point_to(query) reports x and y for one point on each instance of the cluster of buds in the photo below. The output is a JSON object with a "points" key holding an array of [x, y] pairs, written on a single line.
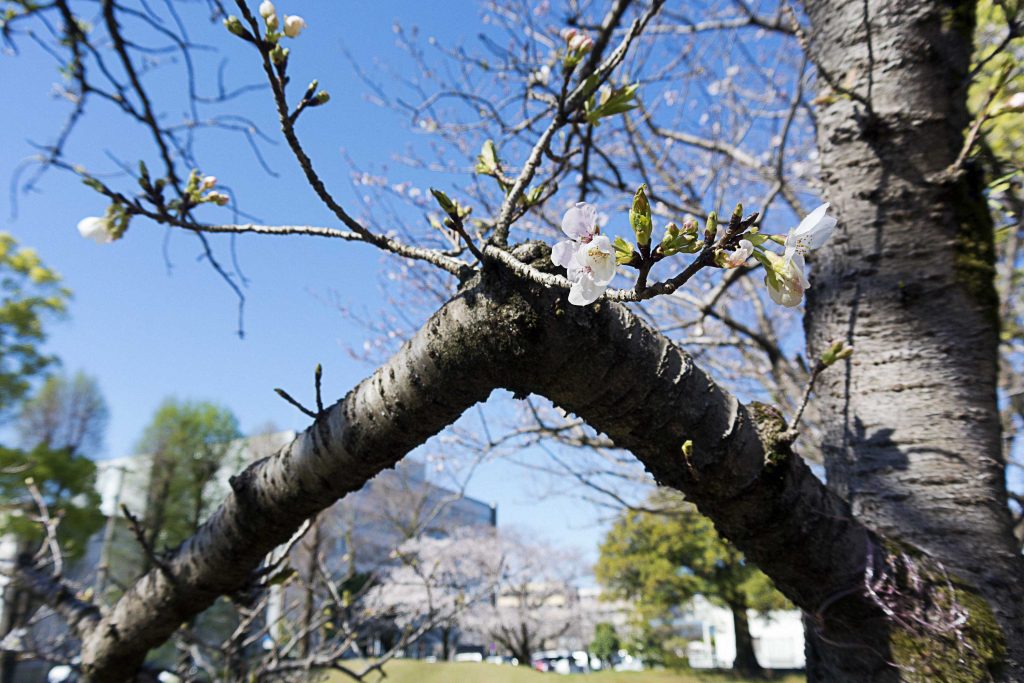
{"points": [[291, 27], [836, 352], [577, 45], [293, 24], [199, 190], [681, 240]]}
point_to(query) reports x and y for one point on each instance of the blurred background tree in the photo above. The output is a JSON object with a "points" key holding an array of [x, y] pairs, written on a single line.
{"points": [[663, 555], [186, 443]]}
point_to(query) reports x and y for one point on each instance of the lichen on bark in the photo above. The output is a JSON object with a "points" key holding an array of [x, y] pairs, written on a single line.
{"points": [[942, 630], [771, 427]]}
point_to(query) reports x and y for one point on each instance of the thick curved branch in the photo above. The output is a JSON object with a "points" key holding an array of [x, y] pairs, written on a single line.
{"points": [[601, 362]]}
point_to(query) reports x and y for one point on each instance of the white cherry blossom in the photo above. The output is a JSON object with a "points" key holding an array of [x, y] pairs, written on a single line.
{"points": [[814, 230], [294, 25], [789, 284], [591, 271], [790, 281], [96, 229]]}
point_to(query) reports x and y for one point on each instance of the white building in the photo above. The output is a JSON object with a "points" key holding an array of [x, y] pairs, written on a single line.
{"points": [[778, 636]]}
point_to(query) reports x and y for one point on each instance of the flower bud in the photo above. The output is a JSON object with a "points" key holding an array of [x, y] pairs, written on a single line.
{"points": [[836, 352], [444, 201], [322, 97], [581, 44], [487, 161], [279, 55], [640, 217], [711, 227], [294, 25], [267, 9], [623, 251], [218, 198], [208, 182], [234, 25]]}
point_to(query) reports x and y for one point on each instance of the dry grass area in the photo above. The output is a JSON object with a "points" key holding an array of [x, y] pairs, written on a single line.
{"points": [[412, 671]]}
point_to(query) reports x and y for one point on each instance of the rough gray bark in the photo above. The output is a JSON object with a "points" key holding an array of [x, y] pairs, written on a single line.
{"points": [[912, 431], [601, 362]]}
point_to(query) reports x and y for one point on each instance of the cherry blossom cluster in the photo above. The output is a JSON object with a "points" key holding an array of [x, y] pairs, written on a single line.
{"points": [[590, 258], [198, 190]]}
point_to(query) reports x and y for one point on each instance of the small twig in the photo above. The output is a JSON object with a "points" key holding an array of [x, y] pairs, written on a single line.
{"points": [[286, 396], [836, 352], [140, 536], [317, 376], [984, 114], [819, 367], [460, 228], [50, 525]]}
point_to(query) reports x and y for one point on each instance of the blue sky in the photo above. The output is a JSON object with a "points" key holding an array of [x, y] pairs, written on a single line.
{"points": [[148, 332]]}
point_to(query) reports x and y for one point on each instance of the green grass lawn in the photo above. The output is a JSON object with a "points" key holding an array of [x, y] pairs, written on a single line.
{"points": [[411, 671]]}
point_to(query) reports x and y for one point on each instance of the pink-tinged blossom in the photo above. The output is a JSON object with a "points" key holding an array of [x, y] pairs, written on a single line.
{"points": [[580, 225], [739, 256], [592, 271], [587, 256]]}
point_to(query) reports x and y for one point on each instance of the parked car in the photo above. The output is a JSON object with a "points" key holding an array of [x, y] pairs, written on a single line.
{"points": [[469, 657]]}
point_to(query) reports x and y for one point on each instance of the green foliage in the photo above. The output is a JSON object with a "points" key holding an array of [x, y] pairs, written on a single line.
{"points": [[610, 102], [65, 481], [30, 292], [605, 644], [187, 442], [663, 556], [1004, 133]]}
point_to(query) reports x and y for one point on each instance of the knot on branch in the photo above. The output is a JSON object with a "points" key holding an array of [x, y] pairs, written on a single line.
{"points": [[776, 437], [537, 255]]}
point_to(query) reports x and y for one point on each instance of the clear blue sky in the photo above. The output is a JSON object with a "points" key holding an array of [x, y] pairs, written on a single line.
{"points": [[147, 333]]}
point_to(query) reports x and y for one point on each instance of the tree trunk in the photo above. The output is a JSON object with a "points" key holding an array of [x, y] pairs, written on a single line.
{"points": [[912, 435], [13, 599], [447, 632], [746, 661], [309, 606]]}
